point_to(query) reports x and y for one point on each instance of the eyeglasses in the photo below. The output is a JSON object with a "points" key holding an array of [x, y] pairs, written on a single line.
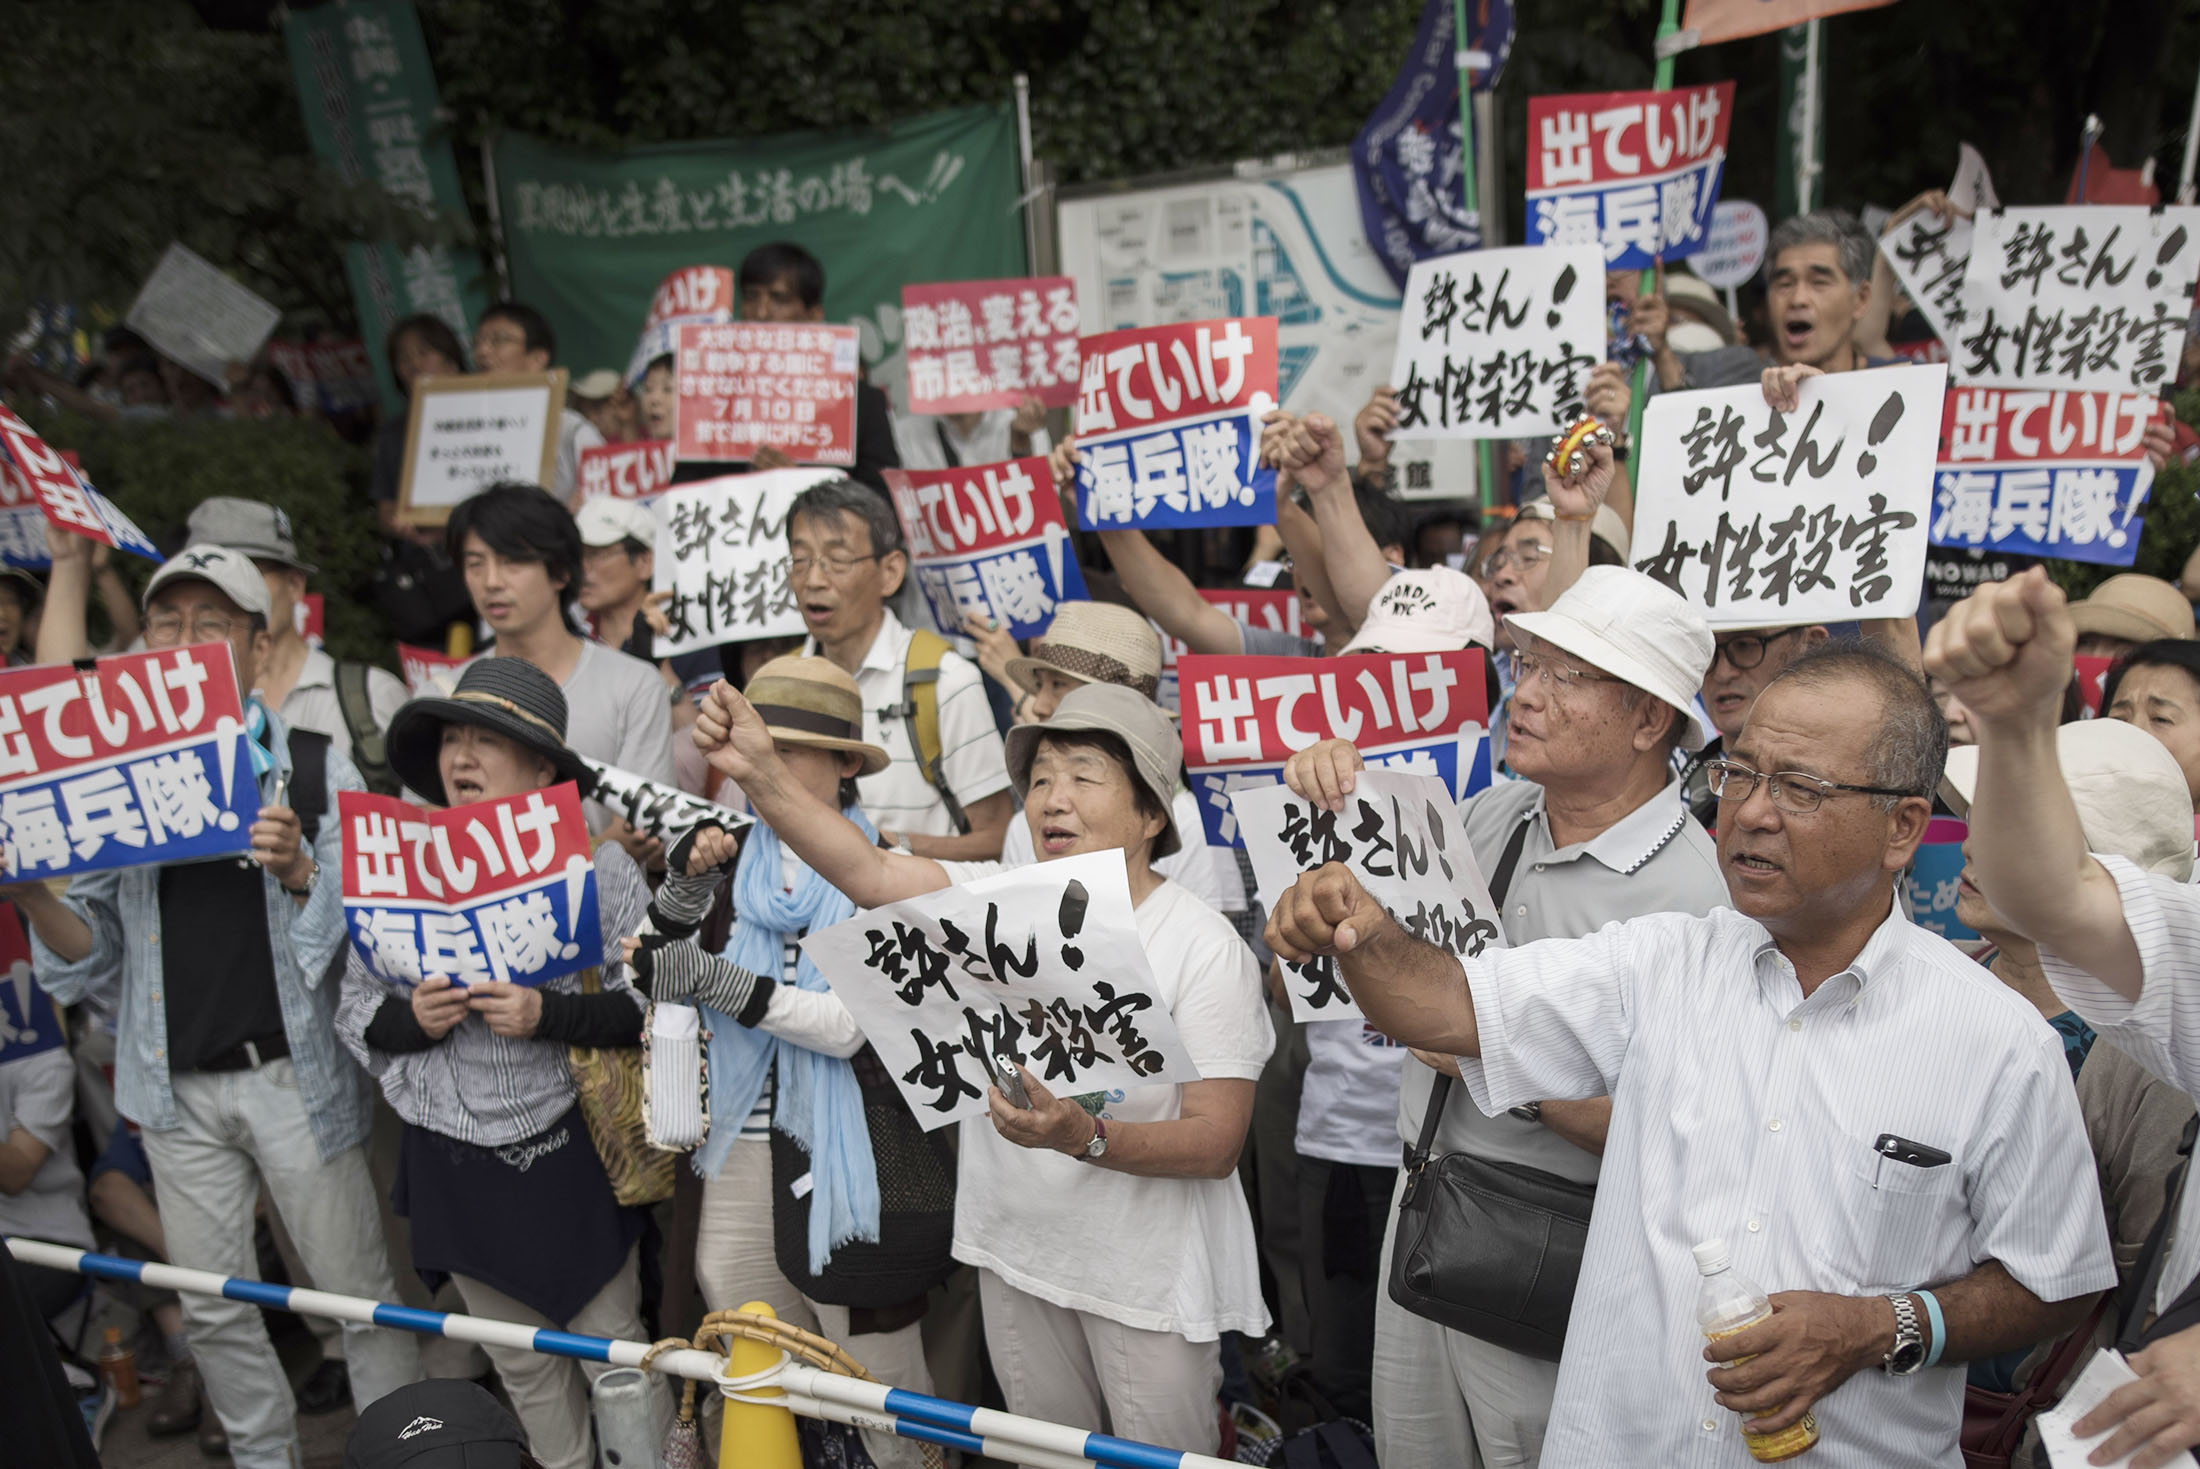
{"points": [[499, 339], [1792, 791], [1531, 554], [798, 566], [1747, 650], [1559, 677], [166, 628]]}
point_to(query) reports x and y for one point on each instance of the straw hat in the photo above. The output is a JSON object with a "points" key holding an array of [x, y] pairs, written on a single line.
{"points": [[508, 696], [812, 701], [2135, 607], [1094, 642]]}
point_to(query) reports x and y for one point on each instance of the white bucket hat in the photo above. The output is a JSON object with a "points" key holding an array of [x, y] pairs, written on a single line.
{"points": [[1431, 611], [2130, 792], [606, 520], [1638, 630]]}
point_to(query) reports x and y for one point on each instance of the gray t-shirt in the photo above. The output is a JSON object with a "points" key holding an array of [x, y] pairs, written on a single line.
{"points": [[618, 710], [35, 1093], [1268, 642]]}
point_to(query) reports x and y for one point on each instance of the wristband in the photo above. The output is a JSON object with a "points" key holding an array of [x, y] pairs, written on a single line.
{"points": [[1940, 1326], [1573, 519]]}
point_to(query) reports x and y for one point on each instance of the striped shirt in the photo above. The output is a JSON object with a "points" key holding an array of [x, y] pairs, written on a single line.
{"points": [[475, 1085], [758, 1124], [2161, 1029], [899, 798], [1744, 1111]]}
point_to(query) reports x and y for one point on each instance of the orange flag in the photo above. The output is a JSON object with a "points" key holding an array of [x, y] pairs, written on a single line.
{"points": [[1707, 22]]}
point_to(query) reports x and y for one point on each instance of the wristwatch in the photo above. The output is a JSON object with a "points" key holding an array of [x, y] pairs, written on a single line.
{"points": [[1098, 1147], [1908, 1353], [307, 890]]}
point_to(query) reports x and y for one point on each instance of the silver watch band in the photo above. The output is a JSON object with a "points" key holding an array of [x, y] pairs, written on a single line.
{"points": [[1906, 1331]]}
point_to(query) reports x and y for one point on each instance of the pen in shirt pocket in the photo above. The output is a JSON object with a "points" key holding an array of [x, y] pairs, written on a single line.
{"points": [[1902, 1150]]}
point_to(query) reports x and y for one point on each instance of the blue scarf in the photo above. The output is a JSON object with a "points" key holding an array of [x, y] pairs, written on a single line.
{"points": [[255, 726], [820, 1104]]}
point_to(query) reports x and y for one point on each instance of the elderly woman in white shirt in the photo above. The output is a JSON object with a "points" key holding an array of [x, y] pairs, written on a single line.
{"points": [[1113, 1245]]}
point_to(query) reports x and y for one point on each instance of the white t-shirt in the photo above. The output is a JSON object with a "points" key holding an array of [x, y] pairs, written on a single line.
{"points": [[1209, 873], [1348, 1105], [1158, 1254], [924, 439]]}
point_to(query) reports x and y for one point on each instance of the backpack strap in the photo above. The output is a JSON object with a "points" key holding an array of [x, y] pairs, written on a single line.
{"points": [[309, 780], [920, 708], [369, 750]]}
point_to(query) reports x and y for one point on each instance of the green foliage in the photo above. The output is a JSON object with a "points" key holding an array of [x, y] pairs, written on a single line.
{"points": [[2172, 522], [157, 472]]}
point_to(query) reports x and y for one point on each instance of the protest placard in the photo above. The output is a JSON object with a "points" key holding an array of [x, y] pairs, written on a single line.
{"points": [[1497, 344], [988, 540], [1929, 256], [1168, 419], [2092, 675], [1427, 713], [2087, 297], [1771, 519], [2040, 473], [1041, 964], [694, 295], [973, 345], [139, 759], [748, 384], [194, 314], [1934, 874], [1401, 836], [22, 520], [1634, 173], [30, 1022], [472, 430], [1735, 250], [722, 553], [502, 889], [641, 470], [1262, 607], [63, 494], [429, 670], [653, 808]]}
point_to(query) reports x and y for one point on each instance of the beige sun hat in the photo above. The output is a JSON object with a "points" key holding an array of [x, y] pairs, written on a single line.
{"points": [[2135, 607], [2130, 792], [812, 701], [1094, 642], [1143, 726]]}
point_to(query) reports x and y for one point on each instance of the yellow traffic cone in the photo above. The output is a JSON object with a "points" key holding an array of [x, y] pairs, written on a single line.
{"points": [[756, 1435]]}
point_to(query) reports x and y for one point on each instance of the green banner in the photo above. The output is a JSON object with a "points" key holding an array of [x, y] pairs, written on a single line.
{"points": [[588, 236], [370, 106]]}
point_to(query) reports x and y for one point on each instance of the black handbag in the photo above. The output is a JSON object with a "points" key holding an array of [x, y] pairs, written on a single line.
{"points": [[1485, 1248], [420, 591]]}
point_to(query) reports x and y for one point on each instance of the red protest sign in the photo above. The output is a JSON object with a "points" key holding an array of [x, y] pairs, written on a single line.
{"points": [[972, 345], [2092, 675], [988, 540], [692, 290], [1154, 375], [502, 890], [748, 384], [421, 665], [1590, 139], [68, 500], [310, 614], [635, 471]]}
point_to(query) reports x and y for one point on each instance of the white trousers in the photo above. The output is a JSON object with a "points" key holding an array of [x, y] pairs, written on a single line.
{"points": [[550, 1394], [735, 1263], [1085, 1371], [1443, 1397]]}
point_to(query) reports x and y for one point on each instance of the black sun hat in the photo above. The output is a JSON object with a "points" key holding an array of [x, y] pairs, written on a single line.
{"points": [[509, 696]]}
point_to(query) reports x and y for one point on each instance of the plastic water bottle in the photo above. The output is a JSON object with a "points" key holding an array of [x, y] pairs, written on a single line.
{"points": [[1728, 1302], [118, 1364]]}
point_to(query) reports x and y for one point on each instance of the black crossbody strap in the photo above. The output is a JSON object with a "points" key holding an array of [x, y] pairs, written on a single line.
{"points": [[2138, 1294]]}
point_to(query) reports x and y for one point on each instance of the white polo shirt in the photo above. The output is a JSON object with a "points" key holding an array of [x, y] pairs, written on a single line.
{"points": [[899, 798]]}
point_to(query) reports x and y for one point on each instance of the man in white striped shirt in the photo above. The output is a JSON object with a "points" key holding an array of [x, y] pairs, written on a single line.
{"points": [[2120, 946], [1885, 1135]]}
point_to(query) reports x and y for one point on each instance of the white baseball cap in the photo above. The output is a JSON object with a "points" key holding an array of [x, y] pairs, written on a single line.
{"points": [[1638, 630], [607, 520], [2130, 791], [1431, 611]]}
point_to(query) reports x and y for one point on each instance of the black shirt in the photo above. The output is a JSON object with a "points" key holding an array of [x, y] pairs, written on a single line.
{"points": [[219, 965]]}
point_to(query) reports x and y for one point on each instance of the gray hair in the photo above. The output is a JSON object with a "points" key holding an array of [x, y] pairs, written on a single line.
{"points": [[1852, 243], [1910, 751], [837, 497]]}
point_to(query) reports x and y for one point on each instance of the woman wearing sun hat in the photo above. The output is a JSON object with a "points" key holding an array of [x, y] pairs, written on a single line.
{"points": [[496, 1172], [870, 1235]]}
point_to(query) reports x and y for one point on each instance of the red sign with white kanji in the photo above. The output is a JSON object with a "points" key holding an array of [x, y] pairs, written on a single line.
{"points": [[972, 345], [746, 385]]}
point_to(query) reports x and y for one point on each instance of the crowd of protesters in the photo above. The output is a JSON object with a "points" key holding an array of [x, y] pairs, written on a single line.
{"points": [[1712, 1009]]}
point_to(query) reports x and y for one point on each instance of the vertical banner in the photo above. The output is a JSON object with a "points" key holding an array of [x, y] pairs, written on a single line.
{"points": [[748, 384], [973, 345], [2044, 473], [1635, 173], [1402, 837], [1497, 344], [370, 106], [1799, 148], [988, 541], [1168, 419], [498, 890], [1426, 713], [140, 759]]}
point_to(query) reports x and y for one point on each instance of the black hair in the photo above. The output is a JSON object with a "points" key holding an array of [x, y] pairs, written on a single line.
{"points": [[1386, 517], [1909, 753], [2181, 653], [434, 333], [663, 360], [838, 497], [533, 325], [783, 260], [850, 795], [1603, 553], [1114, 747], [634, 548], [521, 523]]}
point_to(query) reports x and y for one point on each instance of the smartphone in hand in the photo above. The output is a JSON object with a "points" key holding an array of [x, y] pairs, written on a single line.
{"points": [[1011, 1081]]}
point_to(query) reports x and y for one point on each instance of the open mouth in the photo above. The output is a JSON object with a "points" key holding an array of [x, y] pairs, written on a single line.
{"points": [[462, 789], [1055, 840], [496, 611], [1796, 331], [816, 611], [1502, 607], [1727, 703], [1751, 862]]}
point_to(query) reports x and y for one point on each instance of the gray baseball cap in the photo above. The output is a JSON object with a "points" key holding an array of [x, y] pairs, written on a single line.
{"points": [[260, 530], [224, 568]]}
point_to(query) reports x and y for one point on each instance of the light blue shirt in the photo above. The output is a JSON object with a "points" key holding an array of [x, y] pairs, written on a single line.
{"points": [[122, 908]]}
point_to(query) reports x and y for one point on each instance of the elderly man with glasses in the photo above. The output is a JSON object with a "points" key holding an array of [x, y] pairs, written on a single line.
{"points": [[1880, 1131]]}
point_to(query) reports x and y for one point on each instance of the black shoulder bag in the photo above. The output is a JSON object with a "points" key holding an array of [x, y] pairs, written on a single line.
{"points": [[1486, 1248]]}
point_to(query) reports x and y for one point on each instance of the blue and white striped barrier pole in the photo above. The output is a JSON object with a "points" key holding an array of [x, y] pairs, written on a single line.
{"points": [[808, 1390]]}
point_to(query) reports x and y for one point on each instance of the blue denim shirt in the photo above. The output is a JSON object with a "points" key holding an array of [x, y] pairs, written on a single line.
{"points": [[122, 909]]}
